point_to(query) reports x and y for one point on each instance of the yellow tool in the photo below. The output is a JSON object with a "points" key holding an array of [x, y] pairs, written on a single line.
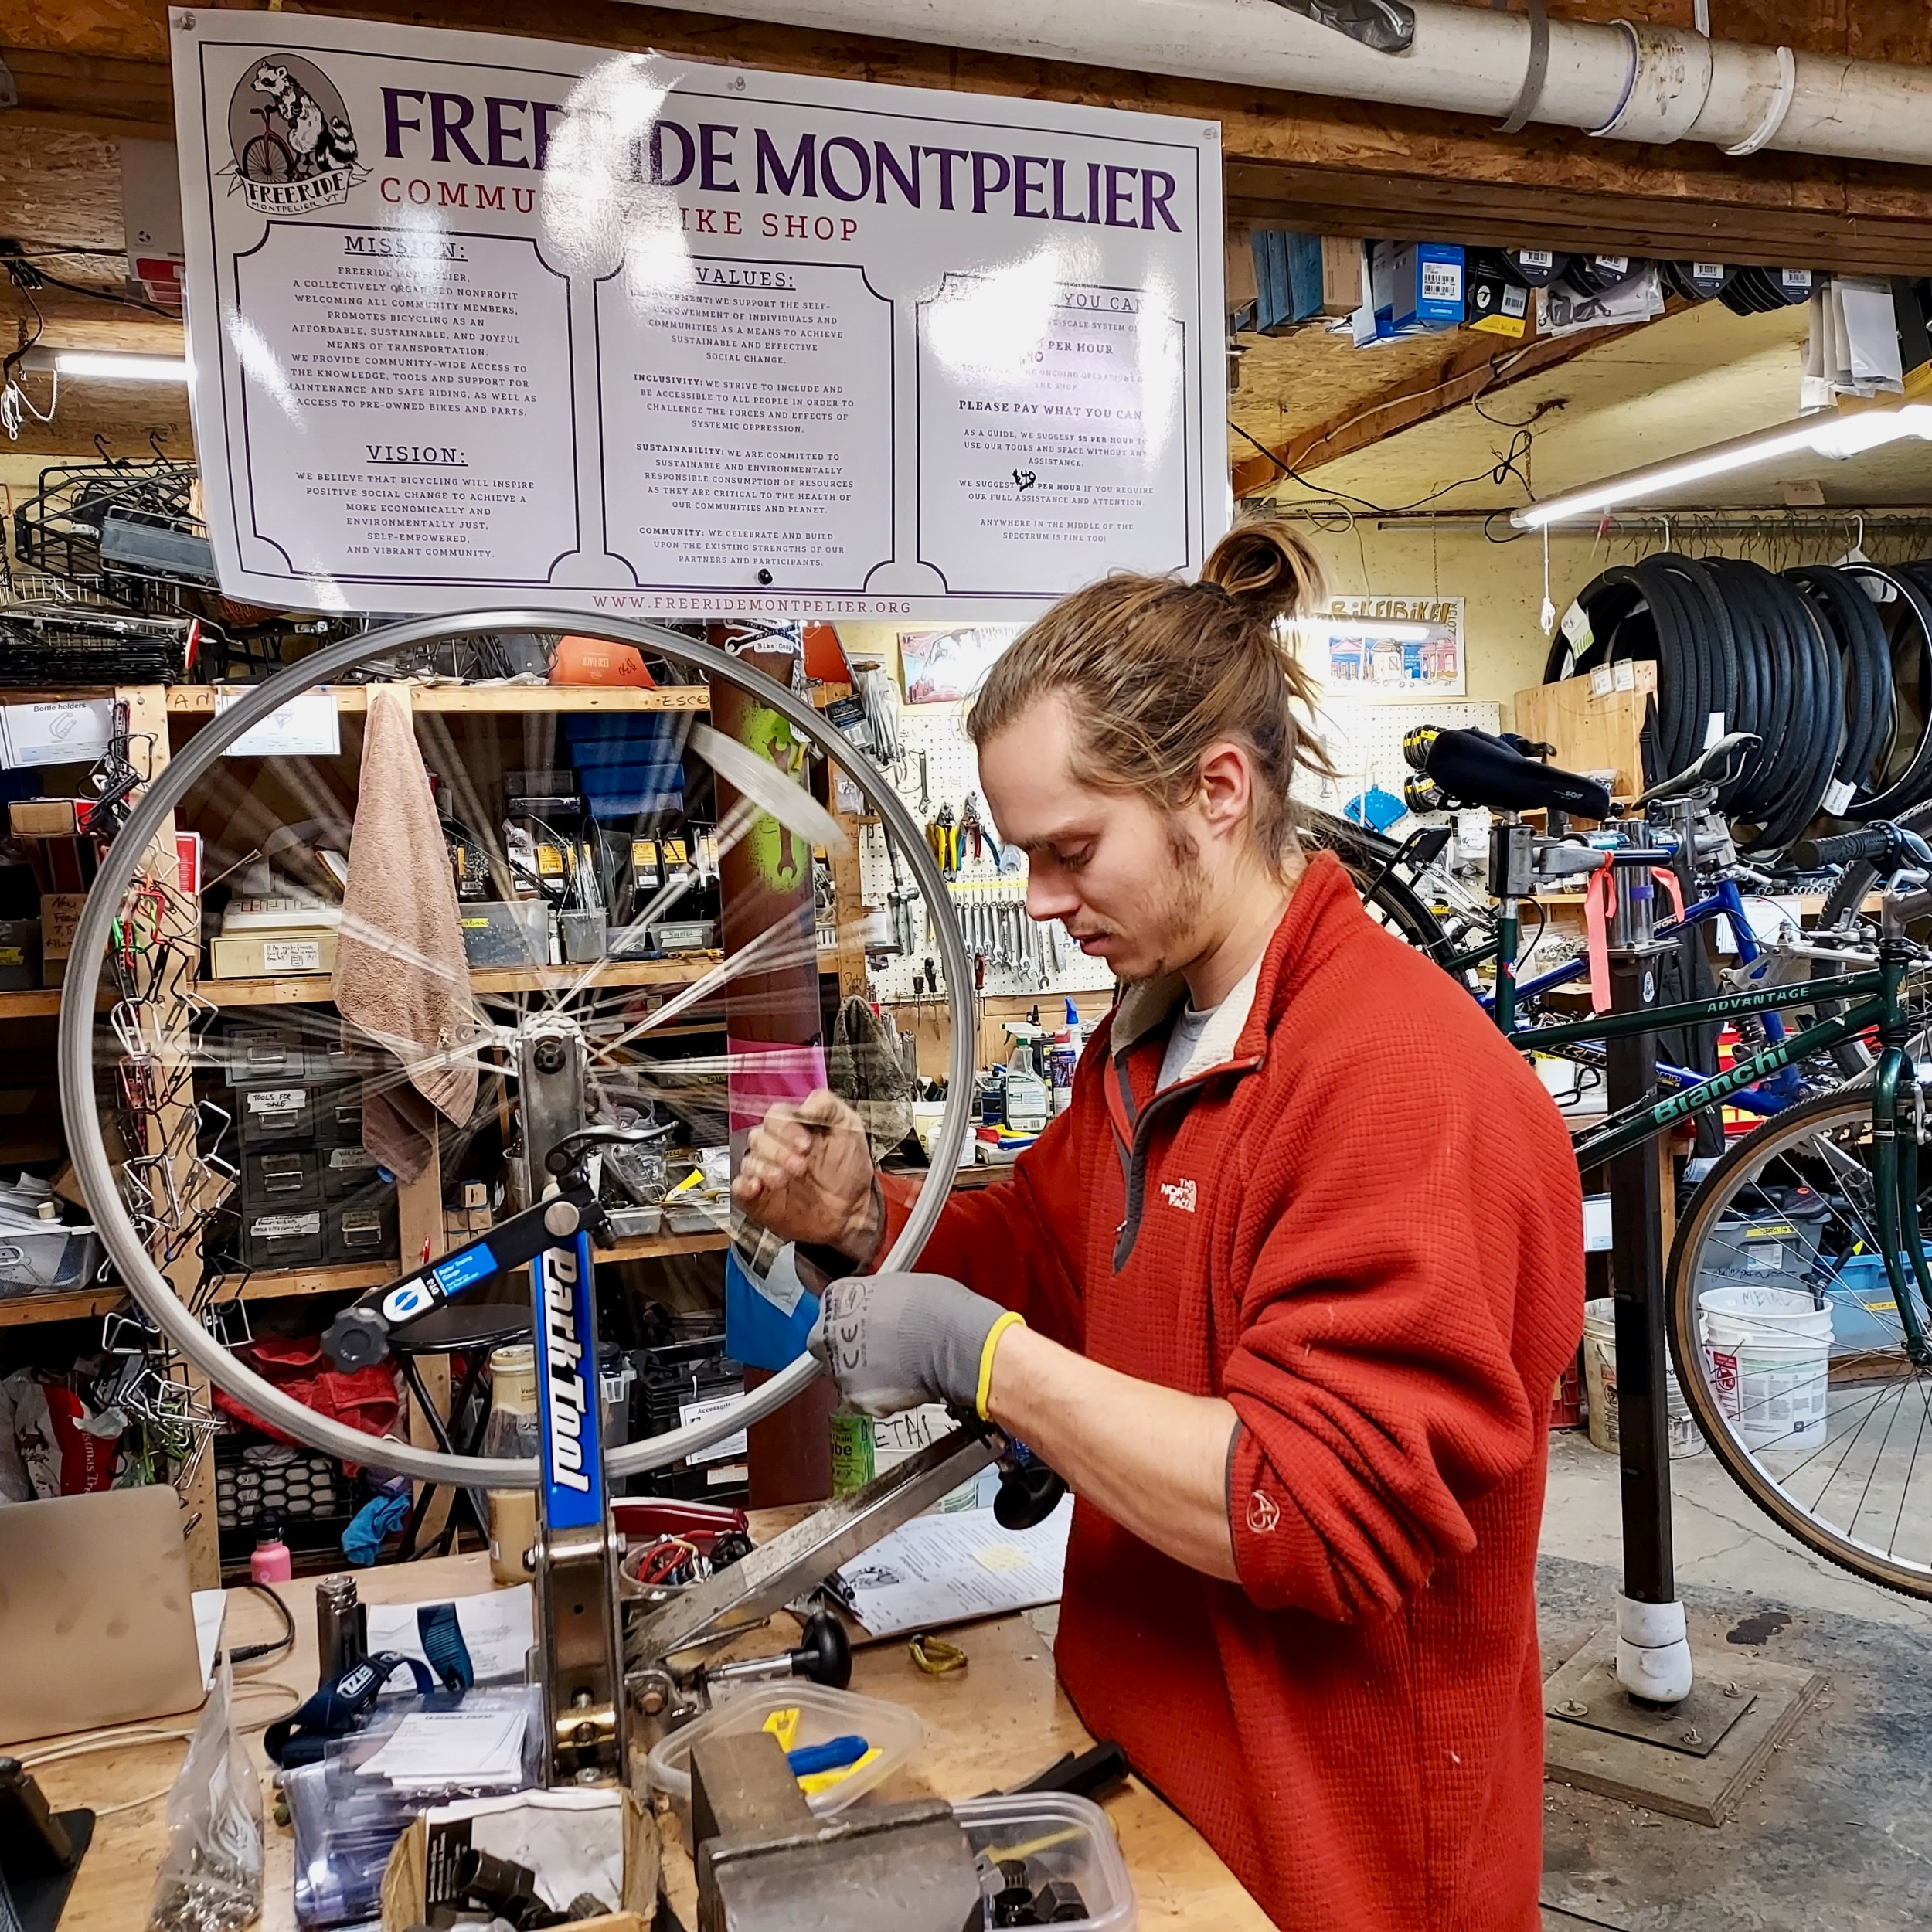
{"points": [[816, 1782]]}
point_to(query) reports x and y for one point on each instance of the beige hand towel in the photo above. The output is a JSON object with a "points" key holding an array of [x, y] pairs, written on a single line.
{"points": [[401, 977]]}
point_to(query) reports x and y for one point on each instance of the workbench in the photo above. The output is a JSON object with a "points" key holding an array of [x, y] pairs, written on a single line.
{"points": [[998, 1722]]}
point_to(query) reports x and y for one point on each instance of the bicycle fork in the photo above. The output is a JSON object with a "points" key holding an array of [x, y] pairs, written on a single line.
{"points": [[1895, 1155]]}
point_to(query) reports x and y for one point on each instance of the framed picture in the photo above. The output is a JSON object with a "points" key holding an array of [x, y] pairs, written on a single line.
{"points": [[1390, 648], [947, 667]]}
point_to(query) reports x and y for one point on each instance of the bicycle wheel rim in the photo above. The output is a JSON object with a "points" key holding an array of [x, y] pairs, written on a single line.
{"points": [[1844, 1467], [144, 1279]]}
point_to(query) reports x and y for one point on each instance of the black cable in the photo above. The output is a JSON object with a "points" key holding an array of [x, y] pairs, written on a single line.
{"points": [[1506, 467], [109, 295], [253, 1653]]}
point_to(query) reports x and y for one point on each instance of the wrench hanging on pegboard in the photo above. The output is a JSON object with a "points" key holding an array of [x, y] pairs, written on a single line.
{"points": [[987, 894]]}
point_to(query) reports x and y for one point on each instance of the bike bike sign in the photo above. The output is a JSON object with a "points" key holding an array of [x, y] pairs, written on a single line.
{"points": [[470, 316]]}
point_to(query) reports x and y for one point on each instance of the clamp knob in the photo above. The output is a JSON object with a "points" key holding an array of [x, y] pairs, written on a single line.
{"points": [[357, 1338], [825, 1655], [1029, 1493]]}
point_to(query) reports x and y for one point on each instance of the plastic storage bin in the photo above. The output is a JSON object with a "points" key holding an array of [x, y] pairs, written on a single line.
{"points": [[1059, 1837], [50, 1256], [893, 1730]]}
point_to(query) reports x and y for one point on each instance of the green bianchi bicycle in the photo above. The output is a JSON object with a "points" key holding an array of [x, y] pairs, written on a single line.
{"points": [[1799, 1291]]}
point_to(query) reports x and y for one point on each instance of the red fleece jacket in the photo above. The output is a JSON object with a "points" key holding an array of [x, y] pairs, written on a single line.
{"points": [[1364, 1231]]}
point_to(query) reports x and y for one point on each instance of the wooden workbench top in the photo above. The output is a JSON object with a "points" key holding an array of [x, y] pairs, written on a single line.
{"points": [[1002, 1718]]}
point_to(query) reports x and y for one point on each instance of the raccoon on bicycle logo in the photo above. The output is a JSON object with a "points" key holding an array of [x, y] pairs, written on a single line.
{"points": [[295, 149]]}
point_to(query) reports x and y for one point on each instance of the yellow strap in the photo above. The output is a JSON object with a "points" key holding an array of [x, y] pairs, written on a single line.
{"points": [[1008, 1320], [935, 1656]]}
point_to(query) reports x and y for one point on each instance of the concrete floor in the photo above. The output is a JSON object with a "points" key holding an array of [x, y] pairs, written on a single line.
{"points": [[1836, 1836]]}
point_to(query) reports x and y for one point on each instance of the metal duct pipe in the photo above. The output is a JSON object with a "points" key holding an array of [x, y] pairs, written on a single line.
{"points": [[1625, 82]]}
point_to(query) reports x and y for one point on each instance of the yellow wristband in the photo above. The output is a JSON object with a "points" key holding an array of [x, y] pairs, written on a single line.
{"points": [[1008, 1320]]}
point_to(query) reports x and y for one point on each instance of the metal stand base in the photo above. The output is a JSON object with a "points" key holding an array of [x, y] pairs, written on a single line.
{"points": [[1694, 1760]]}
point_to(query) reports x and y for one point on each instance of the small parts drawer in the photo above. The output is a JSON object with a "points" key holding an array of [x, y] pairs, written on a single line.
{"points": [[278, 1238], [362, 1228], [276, 1116], [280, 1177]]}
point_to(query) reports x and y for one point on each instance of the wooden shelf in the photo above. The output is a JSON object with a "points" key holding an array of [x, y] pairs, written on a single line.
{"points": [[19, 1311], [283, 1284], [29, 1002], [198, 700], [651, 1247], [310, 989]]}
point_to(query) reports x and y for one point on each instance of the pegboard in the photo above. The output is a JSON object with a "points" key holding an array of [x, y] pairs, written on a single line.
{"points": [[1364, 743], [951, 771]]}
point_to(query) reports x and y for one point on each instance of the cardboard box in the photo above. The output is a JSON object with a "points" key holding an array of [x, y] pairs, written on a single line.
{"points": [[405, 1878], [269, 955], [1418, 287], [48, 818], [59, 914]]}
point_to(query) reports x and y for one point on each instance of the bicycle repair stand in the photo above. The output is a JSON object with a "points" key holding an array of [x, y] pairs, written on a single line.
{"points": [[621, 1666], [1628, 1716]]}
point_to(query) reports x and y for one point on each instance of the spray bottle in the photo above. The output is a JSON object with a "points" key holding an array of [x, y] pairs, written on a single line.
{"points": [[1026, 1092], [1064, 1057]]}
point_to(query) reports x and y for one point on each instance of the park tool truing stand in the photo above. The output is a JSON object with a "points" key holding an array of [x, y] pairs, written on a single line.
{"points": [[620, 1667]]}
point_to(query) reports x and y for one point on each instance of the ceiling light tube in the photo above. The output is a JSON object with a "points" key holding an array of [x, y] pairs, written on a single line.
{"points": [[1825, 434], [106, 366]]}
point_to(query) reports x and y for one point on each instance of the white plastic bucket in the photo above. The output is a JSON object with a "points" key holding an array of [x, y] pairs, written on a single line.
{"points": [[1600, 1386], [1769, 1351]]}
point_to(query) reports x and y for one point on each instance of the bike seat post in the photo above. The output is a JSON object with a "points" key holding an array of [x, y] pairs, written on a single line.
{"points": [[1512, 877]]}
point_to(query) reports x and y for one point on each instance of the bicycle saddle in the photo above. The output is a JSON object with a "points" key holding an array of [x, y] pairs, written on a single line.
{"points": [[1717, 765], [1476, 769]]}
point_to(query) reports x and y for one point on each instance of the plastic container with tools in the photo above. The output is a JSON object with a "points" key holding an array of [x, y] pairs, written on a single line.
{"points": [[1063, 1841], [892, 1731]]}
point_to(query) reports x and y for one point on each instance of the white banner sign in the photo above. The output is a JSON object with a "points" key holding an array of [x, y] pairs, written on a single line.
{"points": [[476, 320]]}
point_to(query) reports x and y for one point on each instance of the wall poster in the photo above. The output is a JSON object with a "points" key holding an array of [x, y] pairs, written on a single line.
{"points": [[476, 320], [1393, 648]]}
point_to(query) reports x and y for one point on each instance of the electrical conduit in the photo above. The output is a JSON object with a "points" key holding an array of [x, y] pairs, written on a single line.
{"points": [[1626, 81]]}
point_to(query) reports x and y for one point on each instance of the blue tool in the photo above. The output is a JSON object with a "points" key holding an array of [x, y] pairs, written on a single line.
{"points": [[835, 1754]]}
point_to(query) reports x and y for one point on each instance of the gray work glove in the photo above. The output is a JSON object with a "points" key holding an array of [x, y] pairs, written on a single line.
{"points": [[894, 1340]]}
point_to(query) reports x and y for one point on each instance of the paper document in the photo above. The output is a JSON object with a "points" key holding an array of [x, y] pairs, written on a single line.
{"points": [[948, 1569], [310, 725], [429, 1750], [497, 1625]]}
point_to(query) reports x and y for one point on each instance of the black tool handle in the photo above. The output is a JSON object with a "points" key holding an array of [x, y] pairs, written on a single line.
{"points": [[1091, 1773]]}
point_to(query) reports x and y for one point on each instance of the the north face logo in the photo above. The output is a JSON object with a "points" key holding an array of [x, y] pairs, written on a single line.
{"points": [[1180, 1194]]}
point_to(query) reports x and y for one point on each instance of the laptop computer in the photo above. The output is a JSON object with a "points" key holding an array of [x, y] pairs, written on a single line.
{"points": [[96, 1624]]}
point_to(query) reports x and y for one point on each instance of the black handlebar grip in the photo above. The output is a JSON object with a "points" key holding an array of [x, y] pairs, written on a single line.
{"points": [[1844, 848]]}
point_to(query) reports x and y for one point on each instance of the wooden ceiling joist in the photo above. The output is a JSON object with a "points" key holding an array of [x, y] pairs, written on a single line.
{"points": [[1338, 166]]}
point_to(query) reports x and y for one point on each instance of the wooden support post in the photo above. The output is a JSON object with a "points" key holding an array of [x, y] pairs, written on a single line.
{"points": [[171, 1130]]}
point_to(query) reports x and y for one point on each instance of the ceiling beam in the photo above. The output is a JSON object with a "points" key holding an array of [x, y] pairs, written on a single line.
{"points": [[1339, 166], [1433, 207]]}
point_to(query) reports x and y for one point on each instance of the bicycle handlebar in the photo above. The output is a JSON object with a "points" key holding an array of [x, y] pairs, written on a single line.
{"points": [[1886, 846]]}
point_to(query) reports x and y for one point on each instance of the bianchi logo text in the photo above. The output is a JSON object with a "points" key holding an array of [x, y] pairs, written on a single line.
{"points": [[565, 1396]]}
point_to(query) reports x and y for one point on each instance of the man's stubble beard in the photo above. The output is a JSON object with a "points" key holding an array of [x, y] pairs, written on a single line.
{"points": [[1174, 940]]}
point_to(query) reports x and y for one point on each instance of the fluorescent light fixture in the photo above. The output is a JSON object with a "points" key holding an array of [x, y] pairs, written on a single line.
{"points": [[107, 367], [1824, 434]]}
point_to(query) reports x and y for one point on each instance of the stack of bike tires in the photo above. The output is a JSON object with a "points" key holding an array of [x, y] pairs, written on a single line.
{"points": [[1828, 666]]}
